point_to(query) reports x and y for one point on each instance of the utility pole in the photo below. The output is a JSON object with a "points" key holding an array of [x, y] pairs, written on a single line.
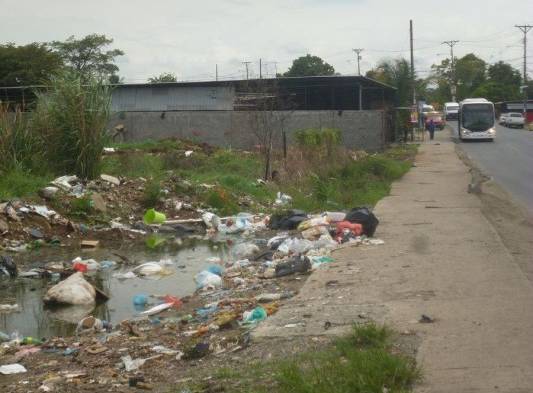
{"points": [[246, 63], [216, 72], [451, 44], [358, 56], [525, 29], [276, 68], [260, 69], [413, 86]]}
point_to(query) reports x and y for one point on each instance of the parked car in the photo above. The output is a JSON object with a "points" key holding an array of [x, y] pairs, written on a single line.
{"points": [[437, 120], [502, 118], [514, 119]]}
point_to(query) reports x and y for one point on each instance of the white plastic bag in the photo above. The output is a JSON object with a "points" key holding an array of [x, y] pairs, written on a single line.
{"points": [[74, 290], [295, 246], [207, 280], [244, 250]]}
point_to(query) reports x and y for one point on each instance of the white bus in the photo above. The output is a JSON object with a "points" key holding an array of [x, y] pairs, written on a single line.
{"points": [[476, 119]]}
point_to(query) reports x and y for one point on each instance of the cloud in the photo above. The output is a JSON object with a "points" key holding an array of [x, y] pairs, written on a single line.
{"points": [[189, 38]]}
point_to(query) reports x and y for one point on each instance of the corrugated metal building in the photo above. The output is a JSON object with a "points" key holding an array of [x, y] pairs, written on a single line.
{"points": [[171, 97], [296, 93]]}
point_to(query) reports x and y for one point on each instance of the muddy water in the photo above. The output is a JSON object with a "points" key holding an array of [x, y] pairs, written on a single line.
{"points": [[188, 256]]}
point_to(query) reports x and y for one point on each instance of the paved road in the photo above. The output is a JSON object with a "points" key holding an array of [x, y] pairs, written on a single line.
{"points": [[509, 160]]}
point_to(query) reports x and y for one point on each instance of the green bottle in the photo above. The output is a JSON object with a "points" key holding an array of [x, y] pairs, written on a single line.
{"points": [[31, 341]]}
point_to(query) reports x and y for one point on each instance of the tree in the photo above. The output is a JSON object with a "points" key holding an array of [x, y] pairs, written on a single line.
{"points": [[396, 73], [309, 66], [31, 64], [470, 73], [88, 56], [164, 77], [503, 83], [440, 82]]}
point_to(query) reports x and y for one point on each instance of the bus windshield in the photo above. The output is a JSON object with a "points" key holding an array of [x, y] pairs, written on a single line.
{"points": [[477, 117]]}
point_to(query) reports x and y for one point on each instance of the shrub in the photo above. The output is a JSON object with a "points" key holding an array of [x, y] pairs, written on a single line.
{"points": [[71, 117], [19, 146], [322, 141], [222, 200], [82, 206], [152, 193]]}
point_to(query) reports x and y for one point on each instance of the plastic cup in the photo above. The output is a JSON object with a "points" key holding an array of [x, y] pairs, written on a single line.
{"points": [[154, 217]]}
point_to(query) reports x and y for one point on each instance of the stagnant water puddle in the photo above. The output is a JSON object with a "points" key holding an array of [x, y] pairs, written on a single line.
{"points": [[188, 256]]}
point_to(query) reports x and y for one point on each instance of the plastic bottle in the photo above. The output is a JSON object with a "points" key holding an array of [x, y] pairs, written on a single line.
{"points": [[31, 341]]}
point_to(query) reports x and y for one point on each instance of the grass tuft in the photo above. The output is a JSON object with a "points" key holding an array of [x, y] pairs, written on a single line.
{"points": [[17, 183], [361, 362]]}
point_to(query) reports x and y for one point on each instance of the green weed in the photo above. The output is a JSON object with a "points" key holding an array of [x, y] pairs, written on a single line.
{"points": [[151, 194], [71, 118], [81, 207], [20, 148], [20, 183], [361, 362], [133, 165], [222, 200]]}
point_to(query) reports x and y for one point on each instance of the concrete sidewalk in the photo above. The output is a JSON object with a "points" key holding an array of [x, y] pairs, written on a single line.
{"points": [[441, 258]]}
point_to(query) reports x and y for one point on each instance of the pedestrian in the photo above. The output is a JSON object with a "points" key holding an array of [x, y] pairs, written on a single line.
{"points": [[431, 128]]}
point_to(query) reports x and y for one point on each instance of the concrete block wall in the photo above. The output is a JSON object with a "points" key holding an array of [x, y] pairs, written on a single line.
{"points": [[238, 129]]}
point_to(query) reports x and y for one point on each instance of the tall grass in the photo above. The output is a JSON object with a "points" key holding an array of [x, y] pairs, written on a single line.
{"points": [[71, 118], [20, 148]]}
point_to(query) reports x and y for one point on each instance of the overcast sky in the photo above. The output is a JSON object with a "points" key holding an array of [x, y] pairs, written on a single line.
{"points": [[189, 37]]}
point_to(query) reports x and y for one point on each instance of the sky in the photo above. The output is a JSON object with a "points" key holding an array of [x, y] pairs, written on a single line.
{"points": [[189, 38]]}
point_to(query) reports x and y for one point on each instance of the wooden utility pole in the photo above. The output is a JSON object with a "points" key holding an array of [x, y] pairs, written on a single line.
{"points": [[260, 69], [358, 56], [216, 72], [246, 63], [412, 61], [525, 29], [451, 44]]}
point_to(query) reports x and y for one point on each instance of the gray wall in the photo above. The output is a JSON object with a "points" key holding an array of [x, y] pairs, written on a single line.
{"points": [[172, 98], [360, 129]]}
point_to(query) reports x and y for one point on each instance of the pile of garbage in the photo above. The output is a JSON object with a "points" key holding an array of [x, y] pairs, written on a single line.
{"points": [[233, 295]]}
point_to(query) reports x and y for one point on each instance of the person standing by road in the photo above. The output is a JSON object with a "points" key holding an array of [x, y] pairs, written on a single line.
{"points": [[431, 129]]}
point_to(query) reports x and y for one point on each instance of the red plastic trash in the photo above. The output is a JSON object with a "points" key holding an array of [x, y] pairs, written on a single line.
{"points": [[176, 302], [357, 229], [80, 267]]}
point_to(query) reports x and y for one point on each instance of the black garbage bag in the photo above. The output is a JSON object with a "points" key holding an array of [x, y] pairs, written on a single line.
{"points": [[288, 220], [299, 264], [7, 266], [363, 216]]}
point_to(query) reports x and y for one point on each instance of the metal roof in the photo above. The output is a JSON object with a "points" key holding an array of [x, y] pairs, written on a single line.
{"points": [[301, 80]]}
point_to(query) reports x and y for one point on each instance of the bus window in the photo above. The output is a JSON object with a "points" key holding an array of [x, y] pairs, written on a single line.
{"points": [[477, 117]]}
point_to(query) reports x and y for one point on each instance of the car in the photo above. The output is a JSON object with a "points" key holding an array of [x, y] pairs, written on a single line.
{"points": [[437, 120], [514, 119], [502, 118]]}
